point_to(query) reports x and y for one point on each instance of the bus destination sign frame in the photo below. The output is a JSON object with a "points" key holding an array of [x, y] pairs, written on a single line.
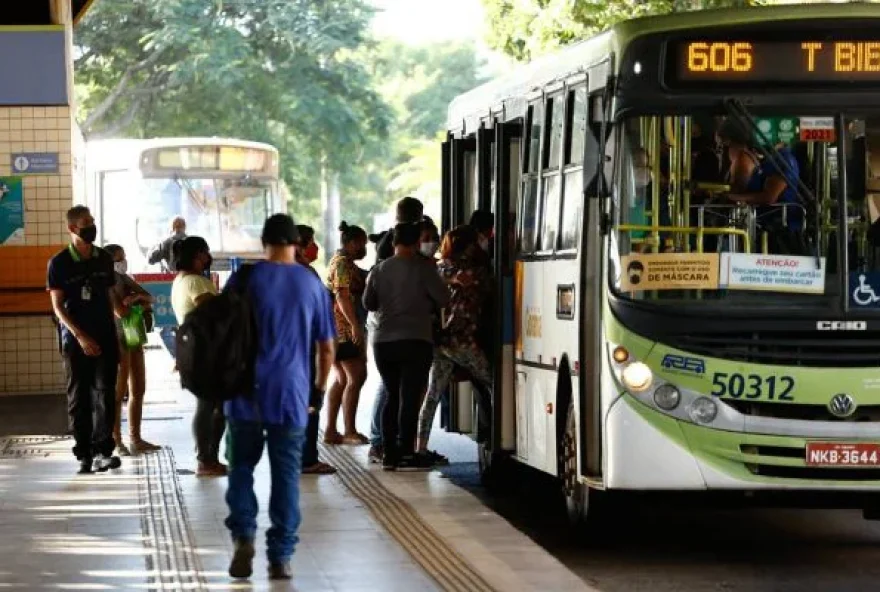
{"points": [[810, 61]]}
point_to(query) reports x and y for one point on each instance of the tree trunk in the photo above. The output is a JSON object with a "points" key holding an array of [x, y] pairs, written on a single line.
{"points": [[330, 209]]}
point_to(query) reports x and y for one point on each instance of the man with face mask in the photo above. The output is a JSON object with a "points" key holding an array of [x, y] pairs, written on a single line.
{"points": [[79, 281]]}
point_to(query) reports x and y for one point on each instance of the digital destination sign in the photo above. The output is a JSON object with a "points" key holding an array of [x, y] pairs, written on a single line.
{"points": [[744, 62]]}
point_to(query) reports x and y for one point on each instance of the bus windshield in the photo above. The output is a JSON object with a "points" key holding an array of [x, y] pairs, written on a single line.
{"points": [[227, 213], [713, 208]]}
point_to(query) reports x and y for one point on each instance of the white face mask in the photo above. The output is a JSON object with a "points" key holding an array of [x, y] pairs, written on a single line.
{"points": [[121, 267], [428, 249], [484, 244]]}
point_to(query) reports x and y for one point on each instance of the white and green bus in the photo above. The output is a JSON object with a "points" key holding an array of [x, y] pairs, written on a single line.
{"points": [[688, 255]]}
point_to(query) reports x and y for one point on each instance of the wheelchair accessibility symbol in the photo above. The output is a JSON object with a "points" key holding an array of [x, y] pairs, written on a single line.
{"points": [[862, 291]]}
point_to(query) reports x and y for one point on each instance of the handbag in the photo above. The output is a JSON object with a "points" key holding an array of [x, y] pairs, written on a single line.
{"points": [[134, 331]]}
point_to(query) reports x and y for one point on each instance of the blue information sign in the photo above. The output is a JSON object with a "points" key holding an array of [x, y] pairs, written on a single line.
{"points": [[29, 163], [162, 312]]}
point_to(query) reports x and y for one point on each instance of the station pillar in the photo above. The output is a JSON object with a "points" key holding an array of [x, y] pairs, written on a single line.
{"points": [[42, 174]]}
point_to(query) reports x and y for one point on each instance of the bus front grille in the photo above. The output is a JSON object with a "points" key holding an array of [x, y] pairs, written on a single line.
{"points": [[814, 349], [863, 413], [775, 461]]}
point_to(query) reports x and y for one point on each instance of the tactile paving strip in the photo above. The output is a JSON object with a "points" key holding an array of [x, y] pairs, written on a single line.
{"points": [[430, 550], [23, 447], [165, 526]]}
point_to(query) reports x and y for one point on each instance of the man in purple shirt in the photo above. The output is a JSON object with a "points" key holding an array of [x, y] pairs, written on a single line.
{"points": [[293, 316]]}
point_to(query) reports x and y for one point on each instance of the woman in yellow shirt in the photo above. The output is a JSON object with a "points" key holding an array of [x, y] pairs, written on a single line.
{"points": [[191, 287]]}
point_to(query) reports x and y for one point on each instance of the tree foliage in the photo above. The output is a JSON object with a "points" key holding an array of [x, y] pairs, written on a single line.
{"points": [[303, 75], [524, 29], [287, 73]]}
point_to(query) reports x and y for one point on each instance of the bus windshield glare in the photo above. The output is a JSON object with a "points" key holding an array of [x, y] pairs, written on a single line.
{"points": [[713, 209], [227, 213]]}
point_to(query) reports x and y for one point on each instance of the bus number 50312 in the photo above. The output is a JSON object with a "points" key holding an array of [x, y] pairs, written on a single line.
{"points": [[753, 386]]}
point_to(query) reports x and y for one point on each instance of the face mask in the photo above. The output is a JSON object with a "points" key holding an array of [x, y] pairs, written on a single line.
{"points": [[484, 244], [88, 234], [121, 267], [428, 249], [311, 253]]}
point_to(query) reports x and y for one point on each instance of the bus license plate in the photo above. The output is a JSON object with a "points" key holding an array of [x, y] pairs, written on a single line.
{"points": [[833, 454]]}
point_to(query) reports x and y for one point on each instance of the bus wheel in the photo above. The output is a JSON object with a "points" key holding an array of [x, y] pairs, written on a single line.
{"points": [[577, 494]]}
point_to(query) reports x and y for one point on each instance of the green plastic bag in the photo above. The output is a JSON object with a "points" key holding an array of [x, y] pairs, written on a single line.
{"points": [[133, 328]]}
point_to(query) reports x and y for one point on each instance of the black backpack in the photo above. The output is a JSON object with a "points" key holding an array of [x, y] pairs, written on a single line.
{"points": [[217, 345]]}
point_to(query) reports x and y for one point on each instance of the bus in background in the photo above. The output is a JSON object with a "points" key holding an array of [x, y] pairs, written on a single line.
{"points": [[223, 188], [688, 255]]}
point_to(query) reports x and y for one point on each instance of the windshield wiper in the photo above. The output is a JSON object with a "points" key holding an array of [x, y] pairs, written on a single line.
{"points": [[746, 121]]}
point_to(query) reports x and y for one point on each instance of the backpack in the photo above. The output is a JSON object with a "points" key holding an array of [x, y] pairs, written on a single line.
{"points": [[217, 345]]}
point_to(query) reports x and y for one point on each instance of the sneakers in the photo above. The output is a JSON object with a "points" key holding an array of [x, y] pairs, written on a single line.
{"points": [[389, 462], [85, 466], [104, 463], [142, 446], [375, 455], [415, 462], [436, 459], [242, 560], [280, 571]]}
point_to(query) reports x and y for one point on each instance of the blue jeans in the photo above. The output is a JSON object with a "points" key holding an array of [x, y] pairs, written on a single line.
{"points": [[244, 447], [376, 423], [169, 335]]}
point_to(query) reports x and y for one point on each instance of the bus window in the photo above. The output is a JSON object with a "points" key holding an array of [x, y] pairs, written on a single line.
{"points": [[530, 198], [573, 182], [577, 117], [529, 215], [536, 125], [556, 108], [550, 215], [551, 186]]}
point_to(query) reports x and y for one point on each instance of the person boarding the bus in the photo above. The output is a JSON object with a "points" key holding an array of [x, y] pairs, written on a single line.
{"points": [[293, 317], [80, 279]]}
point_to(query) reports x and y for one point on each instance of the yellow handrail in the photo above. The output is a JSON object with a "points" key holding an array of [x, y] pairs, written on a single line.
{"points": [[689, 230]]}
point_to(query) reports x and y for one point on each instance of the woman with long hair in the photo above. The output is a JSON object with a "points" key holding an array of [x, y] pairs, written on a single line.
{"points": [[463, 268], [132, 369], [345, 281], [191, 287]]}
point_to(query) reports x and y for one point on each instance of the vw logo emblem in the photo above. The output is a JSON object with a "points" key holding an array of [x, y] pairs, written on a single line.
{"points": [[842, 405]]}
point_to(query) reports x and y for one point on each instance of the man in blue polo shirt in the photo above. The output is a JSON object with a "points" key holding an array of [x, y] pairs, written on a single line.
{"points": [[293, 316], [79, 281]]}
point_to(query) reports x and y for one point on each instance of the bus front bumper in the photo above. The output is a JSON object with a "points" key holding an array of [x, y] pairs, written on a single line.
{"points": [[648, 450]]}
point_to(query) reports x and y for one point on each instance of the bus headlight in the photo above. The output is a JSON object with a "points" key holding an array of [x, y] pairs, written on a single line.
{"points": [[637, 377], [667, 397], [703, 410]]}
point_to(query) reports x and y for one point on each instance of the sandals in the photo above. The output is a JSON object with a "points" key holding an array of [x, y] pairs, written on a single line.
{"points": [[333, 439], [319, 468], [355, 440]]}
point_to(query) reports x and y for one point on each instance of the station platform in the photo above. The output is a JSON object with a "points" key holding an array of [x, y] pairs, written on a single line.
{"points": [[153, 525]]}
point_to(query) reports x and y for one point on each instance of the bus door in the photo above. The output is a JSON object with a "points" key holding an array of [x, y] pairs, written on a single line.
{"points": [[506, 191], [461, 188]]}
